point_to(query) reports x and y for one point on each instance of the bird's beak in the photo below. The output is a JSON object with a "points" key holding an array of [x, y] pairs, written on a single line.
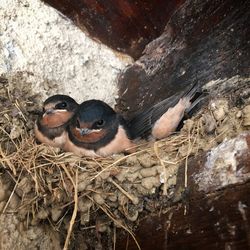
{"points": [[53, 111], [49, 112], [85, 131]]}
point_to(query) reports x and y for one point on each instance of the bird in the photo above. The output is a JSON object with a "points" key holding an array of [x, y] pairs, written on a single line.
{"points": [[163, 118], [96, 130], [50, 127]]}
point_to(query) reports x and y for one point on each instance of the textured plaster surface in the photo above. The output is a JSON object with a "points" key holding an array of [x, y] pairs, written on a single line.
{"points": [[54, 55]]}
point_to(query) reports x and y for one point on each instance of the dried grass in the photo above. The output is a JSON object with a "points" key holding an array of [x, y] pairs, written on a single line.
{"points": [[40, 162], [56, 178]]}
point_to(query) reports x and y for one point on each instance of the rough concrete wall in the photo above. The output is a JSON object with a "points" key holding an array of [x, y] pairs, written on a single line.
{"points": [[54, 55]]}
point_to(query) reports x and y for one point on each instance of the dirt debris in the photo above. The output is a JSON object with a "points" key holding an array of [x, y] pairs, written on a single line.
{"points": [[16, 235], [38, 182], [246, 116]]}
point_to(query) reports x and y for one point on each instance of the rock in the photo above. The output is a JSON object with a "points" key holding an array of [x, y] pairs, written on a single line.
{"points": [[246, 116], [219, 109], [132, 217], [83, 181], [98, 198], [56, 213], [43, 214], [16, 131], [223, 164], [131, 177], [147, 172], [113, 197], [146, 160], [131, 160], [2, 205], [84, 217], [122, 174], [14, 202], [209, 123], [24, 186], [188, 124], [84, 205], [102, 225], [105, 175], [4, 194], [150, 182]]}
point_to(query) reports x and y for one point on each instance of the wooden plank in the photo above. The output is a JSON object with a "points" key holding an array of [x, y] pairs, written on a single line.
{"points": [[123, 25], [203, 41]]}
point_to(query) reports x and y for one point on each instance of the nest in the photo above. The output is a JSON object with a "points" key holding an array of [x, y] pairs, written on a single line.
{"points": [[41, 183]]}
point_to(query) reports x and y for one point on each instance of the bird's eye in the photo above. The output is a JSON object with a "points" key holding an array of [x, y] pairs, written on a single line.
{"points": [[78, 124], [61, 105], [100, 123]]}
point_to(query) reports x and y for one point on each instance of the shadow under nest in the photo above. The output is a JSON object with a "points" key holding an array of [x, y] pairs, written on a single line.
{"points": [[44, 184]]}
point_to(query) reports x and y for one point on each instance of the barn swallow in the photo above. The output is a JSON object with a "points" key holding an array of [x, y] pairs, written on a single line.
{"points": [[97, 130], [162, 119], [50, 127]]}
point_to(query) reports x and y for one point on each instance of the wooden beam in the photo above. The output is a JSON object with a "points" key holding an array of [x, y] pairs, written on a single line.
{"points": [[203, 41], [123, 25], [208, 215]]}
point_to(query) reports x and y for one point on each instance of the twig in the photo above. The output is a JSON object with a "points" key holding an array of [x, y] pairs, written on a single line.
{"points": [[7, 160], [110, 215], [19, 109], [72, 221], [9, 137], [163, 168], [114, 240], [115, 163], [133, 199], [13, 191]]}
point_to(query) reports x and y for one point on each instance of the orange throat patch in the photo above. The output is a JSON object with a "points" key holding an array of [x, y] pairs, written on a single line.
{"points": [[89, 138], [56, 119]]}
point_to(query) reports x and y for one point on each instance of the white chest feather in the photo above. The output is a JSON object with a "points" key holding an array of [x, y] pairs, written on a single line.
{"points": [[71, 147], [56, 142], [119, 144]]}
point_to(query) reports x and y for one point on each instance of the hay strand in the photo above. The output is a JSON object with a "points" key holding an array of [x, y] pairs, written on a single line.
{"points": [[73, 218]]}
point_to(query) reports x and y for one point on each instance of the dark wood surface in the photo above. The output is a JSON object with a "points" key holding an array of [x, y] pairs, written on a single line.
{"points": [[213, 218], [218, 221], [203, 41], [123, 25], [186, 41]]}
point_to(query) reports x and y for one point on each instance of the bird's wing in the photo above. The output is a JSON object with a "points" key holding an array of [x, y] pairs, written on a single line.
{"points": [[142, 124]]}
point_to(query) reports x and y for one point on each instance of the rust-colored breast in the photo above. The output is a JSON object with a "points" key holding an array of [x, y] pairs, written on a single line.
{"points": [[89, 138], [56, 119]]}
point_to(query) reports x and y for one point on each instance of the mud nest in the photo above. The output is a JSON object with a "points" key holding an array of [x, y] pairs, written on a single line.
{"points": [[96, 197]]}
